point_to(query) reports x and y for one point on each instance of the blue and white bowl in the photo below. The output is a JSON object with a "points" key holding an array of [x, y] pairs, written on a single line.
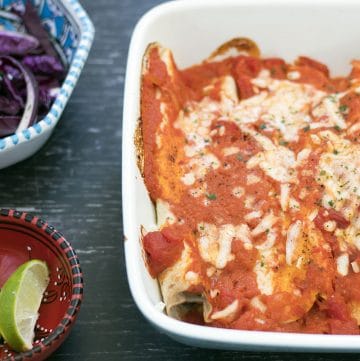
{"points": [[71, 27]]}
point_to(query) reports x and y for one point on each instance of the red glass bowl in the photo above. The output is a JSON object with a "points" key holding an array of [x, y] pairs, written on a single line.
{"points": [[24, 237]]}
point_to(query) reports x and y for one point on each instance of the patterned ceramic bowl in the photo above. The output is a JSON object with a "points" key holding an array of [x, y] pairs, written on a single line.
{"points": [[73, 31], [24, 237]]}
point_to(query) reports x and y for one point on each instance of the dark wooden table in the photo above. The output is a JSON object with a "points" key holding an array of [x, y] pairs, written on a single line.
{"points": [[75, 183]]}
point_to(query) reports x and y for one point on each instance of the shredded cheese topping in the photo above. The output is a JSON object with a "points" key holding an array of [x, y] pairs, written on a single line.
{"points": [[286, 161], [286, 107]]}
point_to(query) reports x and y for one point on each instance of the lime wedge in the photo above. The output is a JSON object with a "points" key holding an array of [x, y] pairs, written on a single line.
{"points": [[20, 300]]}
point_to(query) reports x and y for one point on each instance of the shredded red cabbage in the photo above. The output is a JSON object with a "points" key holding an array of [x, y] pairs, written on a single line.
{"points": [[9, 106], [13, 43], [31, 71], [33, 25], [44, 64]]}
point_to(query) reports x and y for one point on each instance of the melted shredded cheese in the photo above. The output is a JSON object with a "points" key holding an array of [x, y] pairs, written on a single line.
{"points": [[264, 274], [227, 311], [284, 196], [282, 105], [292, 240], [279, 164], [243, 234], [328, 110], [342, 263], [256, 303], [265, 224], [164, 214], [339, 173], [215, 243], [227, 234]]}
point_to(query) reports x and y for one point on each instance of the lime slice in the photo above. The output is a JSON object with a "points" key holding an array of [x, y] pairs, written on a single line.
{"points": [[20, 300]]}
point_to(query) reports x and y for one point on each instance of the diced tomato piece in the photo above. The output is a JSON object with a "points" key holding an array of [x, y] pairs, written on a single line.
{"points": [[246, 68], [162, 249], [234, 136], [349, 287], [245, 87], [247, 65], [340, 84], [231, 134], [246, 321], [339, 218], [238, 284], [284, 306], [317, 278], [350, 107], [305, 61], [314, 77], [340, 321], [325, 215], [344, 327], [355, 72], [336, 308], [276, 66]]}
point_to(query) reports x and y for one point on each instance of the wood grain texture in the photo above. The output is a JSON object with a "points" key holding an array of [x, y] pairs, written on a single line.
{"points": [[75, 183]]}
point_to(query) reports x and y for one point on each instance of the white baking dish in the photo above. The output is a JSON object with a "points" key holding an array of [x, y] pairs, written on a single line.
{"points": [[326, 30]]}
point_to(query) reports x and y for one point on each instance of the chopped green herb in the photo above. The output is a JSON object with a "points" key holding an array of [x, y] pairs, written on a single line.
{"points": [[335, 151], [307, 128], [332, 98], [202, 228], [331, 203], [337, 128], [240, 157], [322, 172], [211, 196], [263, 126], [343, 108], [283, 142]]}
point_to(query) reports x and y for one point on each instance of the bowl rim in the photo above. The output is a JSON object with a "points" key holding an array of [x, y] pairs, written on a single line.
{"points": [[59, 333], [86, 37], [210, 337]]}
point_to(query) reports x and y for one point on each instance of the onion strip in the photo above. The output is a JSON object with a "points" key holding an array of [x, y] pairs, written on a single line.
{"points": [[32, 94]]}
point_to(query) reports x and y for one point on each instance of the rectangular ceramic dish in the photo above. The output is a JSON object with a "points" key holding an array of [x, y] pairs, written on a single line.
{"points": [[325, 30]]}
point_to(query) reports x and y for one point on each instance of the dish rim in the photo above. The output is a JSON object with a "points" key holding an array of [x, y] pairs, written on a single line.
{"points": [[204, 336]]}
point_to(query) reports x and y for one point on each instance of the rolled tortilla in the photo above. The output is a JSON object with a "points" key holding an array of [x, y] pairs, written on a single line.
{"points": [[178, 279]]}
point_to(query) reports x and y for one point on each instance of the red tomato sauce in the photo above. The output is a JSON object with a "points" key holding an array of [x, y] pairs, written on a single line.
{"points": [[162, 250], [331, 295]]}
